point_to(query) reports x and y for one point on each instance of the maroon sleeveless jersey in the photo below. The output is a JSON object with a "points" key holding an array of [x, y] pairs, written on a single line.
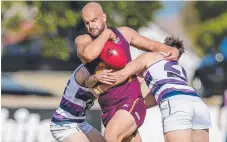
{"points": [[130, 89]]}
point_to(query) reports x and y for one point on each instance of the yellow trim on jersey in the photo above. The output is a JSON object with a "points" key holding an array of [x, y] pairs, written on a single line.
{"points": [[134, 103]]}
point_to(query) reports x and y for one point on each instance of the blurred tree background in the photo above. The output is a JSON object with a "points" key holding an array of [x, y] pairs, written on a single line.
{"points": [[56, 23], [206, 23]]}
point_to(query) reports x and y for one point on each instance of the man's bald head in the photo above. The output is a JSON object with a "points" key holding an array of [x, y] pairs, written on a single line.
{"points": [[92, 7], [94, 18]]}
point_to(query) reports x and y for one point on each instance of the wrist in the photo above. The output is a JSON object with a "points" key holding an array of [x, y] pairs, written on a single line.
{"points": [[96, 91], [122, 75]]}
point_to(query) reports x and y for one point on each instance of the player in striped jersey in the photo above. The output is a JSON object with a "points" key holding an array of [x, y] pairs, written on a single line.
{"points": [[185, 117], [68, 123]]}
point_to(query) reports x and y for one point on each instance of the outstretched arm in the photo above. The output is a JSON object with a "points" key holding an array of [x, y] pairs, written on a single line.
{"points": [[146, 44]]}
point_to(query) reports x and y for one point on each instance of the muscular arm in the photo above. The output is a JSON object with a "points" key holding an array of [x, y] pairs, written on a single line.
{"points": [[87, 49], [132, 68], [146, 44]]}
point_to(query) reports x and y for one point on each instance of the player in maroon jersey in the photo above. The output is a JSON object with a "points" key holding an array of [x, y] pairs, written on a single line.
{"points": [[122, 106]]}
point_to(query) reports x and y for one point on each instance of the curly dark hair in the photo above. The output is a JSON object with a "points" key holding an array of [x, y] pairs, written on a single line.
{"points": [[175, 42]]}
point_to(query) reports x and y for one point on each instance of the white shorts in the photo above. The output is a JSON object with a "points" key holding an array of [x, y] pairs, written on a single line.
{"points": [[184, 112], [60, 132]]}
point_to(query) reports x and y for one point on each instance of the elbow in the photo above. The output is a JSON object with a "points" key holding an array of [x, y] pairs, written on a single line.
{"points": [[87, 57]]}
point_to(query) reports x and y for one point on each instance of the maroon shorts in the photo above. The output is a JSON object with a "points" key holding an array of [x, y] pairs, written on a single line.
{"points": [[135, 107]]}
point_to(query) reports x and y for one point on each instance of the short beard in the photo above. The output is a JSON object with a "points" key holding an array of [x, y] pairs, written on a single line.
{"points": [[101, 30]]}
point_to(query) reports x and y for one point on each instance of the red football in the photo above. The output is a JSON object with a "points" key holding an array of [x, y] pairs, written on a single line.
{"points": [[113, 55]]}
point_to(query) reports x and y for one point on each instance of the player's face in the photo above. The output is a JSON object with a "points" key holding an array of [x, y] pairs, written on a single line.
{"points": [[94, 23]]}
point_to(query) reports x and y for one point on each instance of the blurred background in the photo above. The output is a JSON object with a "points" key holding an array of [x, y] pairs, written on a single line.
{"points": [[38, 56]]}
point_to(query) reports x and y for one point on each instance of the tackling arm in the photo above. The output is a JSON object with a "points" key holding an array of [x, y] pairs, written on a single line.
{"points": [[132, 68], [146, 44]]}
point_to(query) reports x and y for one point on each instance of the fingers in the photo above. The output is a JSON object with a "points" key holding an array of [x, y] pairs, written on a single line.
{"points": [[108, 78], [171, 56], [108, 73], [167, 54], [174, 58], [106, 82], [112, 36], [111, 75]]}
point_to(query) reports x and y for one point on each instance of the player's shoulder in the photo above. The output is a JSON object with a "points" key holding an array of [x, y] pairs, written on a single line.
{"points": [[152, 57], [125, 29], [83, 39], [127, 32]]}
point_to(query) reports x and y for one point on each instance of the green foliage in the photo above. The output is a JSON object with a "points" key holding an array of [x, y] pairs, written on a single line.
{"points": [[209, 26], [211, 32], [14, 22], [211, 9], [55, 47], [134, 14], [54, 15]]}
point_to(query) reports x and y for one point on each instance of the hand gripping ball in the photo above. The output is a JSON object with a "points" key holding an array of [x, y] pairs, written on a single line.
{"points": [[113, 55]]}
